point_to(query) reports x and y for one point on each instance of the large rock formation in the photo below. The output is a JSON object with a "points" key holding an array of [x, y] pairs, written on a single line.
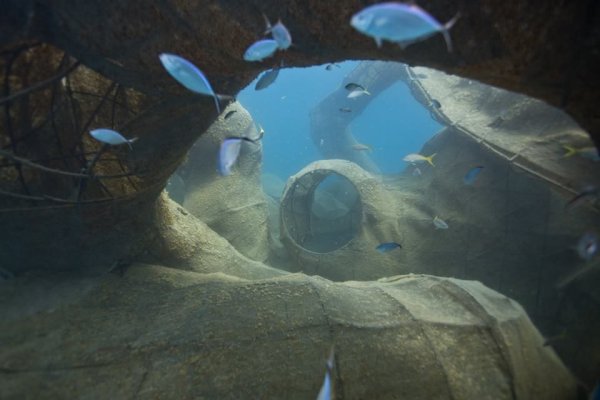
{"points": [[158, 332]]}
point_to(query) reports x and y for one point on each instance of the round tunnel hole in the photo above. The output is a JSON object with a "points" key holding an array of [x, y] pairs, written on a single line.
{"points": [[323, 211]]}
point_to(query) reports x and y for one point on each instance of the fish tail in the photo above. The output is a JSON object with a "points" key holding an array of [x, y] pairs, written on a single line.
{"points": [[367, 92], [430, 159], [130, 141], [268, 24], [216, 97], [446, 31], [570, 151]]}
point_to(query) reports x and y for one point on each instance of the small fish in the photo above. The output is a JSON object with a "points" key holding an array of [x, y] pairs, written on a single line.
{"points": [[436, 104], [361, 147], [260, 50], [555, 338], [111, 137], [229, 152], [345, 109], [188, 75], [439, 223], [400, 23], [351, 87], [357, 93], [229, 114], [590, 152], [587, 247], [326, 392], [280, 33], [418, 158], [321, 142], [417, 172], [261, 133], [589, 194], [472, 175], [267, 79], [385, 247]]}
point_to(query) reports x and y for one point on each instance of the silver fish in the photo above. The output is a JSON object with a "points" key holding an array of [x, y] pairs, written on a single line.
{"points": [[357, 93], [326, 392], [439, 223], [111, 137], [400, 23], [229, 152]]}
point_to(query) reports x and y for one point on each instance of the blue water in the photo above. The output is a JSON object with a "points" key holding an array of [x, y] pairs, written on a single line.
{"points": [[394, 124]]}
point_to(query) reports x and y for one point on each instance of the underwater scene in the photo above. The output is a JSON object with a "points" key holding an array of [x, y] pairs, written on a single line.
{"points": [[188, 215]]}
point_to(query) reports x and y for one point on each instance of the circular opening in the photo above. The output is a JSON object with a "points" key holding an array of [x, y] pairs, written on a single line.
{"points": [[323, 211]]}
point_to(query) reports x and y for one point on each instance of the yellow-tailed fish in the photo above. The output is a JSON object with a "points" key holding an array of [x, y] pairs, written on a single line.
{"points": [[589, 152], [418, 158]]}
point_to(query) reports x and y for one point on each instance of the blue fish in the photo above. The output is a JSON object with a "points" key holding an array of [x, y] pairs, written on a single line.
{"points": [[472, 175], [267, 79], [280, 34], [111, 137], [326, 392], [260, 50], [188, 75], [400, 23], [229, 152], [385, 247]]}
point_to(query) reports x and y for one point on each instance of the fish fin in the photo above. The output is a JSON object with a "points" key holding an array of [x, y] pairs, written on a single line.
{"points": [[217, 105], [268, 24], [430, 159], [130, 141], [446, 31], [571, 151], [225, 97], [367, 92], [222, 97]]}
